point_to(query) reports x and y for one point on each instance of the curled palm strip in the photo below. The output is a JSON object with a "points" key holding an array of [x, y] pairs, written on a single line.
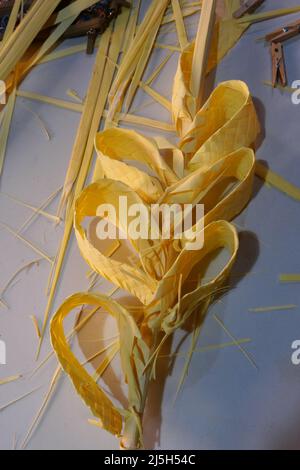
{"points": [[214, 166]]}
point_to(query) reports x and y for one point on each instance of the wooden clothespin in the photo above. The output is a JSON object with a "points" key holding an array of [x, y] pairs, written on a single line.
{"points": [[276, 38], [278, 64], [248, 6], [91, 40], [285, 33]]}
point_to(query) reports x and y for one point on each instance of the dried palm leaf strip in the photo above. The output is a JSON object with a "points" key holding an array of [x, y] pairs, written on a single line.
{"points": [[181, 32], [39, 414], [5, 128], [39, 120], [130, 339], [16, 400], [48, 216], [158, 70], [39, 251], [113, 351], [74, 94], [239, 346], [268, 15], [13, 277], [52, 101], [272, 309], [272, 178], [9, 380], [103, 350], [149, 25], [210, 347], [19, 41], [167, 46], [289, 278], [280, 87], [11, 22], [201, 51], [4, 304], [36, 325], [188, 11], [142, 121], [157, 96], [132, 26], [143, 60], [67, 51], [43, 206], [192, 348], [129, 118]]}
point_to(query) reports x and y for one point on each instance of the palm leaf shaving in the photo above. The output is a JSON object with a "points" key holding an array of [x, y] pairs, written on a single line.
{"points": [[268, 15], [37, 212], [239, 346], [52, 101], [39, 251], [5, 128], [39, 121], [41, 410], [16, 274], [41, 212], [8, 380], [132, 26], [210, 347], [112, 352], [102, 351], [74, 94], [158, 70], [275, 180], [16, 400], [36, 325], [182, 36], [274, 308], [280, 87], [129, 118], [289, 278], [67, 51], [185, 12]]}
